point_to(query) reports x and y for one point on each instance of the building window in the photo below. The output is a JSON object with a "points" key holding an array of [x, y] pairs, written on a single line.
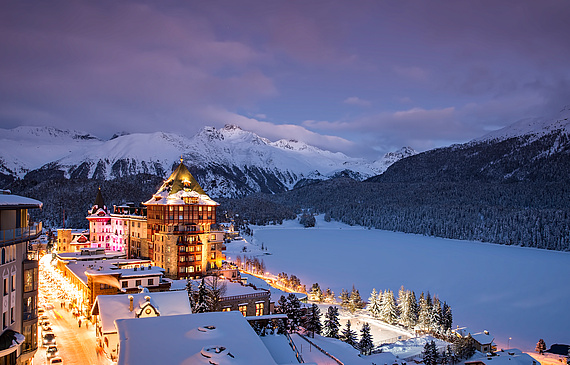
{"points": [[259, 309], [124, 284], [6, 287], [226, 309], [4, 320], [243, 309], [30, 281], [138, 282], [105, 286], [213, 256], [12, 319], [14, 282], [150, 281]]}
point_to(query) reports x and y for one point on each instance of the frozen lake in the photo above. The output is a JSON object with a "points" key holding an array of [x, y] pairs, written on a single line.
{"points": [[515, 292]]}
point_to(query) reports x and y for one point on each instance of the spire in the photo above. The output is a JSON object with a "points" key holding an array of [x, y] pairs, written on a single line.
{"points": [[181, 179], [99, 202]]}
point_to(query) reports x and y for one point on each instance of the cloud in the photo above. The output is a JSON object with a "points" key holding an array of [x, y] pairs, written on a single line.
{"points": [[355, 100]]}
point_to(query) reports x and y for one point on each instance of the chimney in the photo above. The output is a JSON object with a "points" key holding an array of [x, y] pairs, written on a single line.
{"points": [[131, 303]]}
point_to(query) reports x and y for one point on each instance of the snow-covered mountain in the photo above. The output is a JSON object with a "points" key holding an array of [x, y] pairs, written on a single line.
{"points": [[534, 128], [226, 161]]}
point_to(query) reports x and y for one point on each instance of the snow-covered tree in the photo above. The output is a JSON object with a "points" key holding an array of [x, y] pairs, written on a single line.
{"points": [[435, 315], [348, 335], [316, 293], [344, 299], [329, 295], [332, 324], [388, 312], [356, 301], [373, 304], [406, 306], [293, 311], [430, 354], [447, 318], [540, 346], [313, 320], [201, 305], [423, 314], [365, 344]]}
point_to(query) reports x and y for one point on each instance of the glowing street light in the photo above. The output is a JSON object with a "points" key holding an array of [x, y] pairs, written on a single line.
{"points": [[509, 343]]}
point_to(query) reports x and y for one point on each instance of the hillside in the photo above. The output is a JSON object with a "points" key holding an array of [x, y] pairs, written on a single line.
{"points": [[506, 188]]}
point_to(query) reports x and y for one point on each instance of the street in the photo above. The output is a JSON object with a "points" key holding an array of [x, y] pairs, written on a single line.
{"points": [[76, 345]]}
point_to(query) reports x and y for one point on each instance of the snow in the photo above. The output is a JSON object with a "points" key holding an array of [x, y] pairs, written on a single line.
{"points": [[535, 127], [514, 292], [186, 339], [113, 307], [17, 200], [278, 346], [29, 148]]}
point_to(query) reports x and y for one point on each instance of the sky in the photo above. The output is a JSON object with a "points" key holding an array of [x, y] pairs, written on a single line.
{"points": [[359, 77]]}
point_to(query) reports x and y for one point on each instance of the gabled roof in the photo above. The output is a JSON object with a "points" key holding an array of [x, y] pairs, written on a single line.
{"points": [[113, 307]]}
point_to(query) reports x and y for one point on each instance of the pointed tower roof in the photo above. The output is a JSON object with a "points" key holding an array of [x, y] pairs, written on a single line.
{"points": [[181, 179], [99, 202], [180, 187]]}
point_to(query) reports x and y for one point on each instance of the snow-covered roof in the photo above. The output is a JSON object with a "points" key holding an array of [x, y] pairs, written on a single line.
{"points": [[507, 357], [202, 338], [275, 293], [131, 272], [16, 201], [179, 186], [483, 337], [109, 267], [113, 307], [79, 257]]}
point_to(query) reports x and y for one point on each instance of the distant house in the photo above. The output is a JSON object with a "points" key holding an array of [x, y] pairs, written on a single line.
{"points": [[509, 357], [483, 340], [108, 308]]}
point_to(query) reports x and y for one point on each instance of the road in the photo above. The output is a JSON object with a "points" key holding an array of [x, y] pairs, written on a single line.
{"points": [[76, 345]]}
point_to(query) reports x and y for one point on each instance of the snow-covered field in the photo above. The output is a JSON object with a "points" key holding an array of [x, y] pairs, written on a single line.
{"points": [[515, 292]]}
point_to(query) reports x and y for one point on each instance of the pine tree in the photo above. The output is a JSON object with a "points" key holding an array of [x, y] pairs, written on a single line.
{"points": [[313, 320], [388, 312], [316, 294], [348, 335], [540, 346], [293, 311], [435, 315], [344, 299], [329, 295], [365, 345], [423, 315], [447, 318], [373, 304], [429, 354], [414, 308], [355, 300], [331, 325], [201, 300]]}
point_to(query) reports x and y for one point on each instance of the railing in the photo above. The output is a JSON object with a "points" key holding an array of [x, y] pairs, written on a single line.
{"points": [[19, 234], [246, 296], [294, 347], [320, 349]]}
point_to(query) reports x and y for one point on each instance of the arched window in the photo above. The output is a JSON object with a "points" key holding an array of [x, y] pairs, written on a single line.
{"points": [[3, 256]]}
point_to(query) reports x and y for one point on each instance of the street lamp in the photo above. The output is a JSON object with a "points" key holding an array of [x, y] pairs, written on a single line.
{"points": [[509, 343]]}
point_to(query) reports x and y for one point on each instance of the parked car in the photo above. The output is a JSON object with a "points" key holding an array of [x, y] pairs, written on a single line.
{"points": [[51, 352], [41, 312], [48, 339], [46, 329], [56, 360]]}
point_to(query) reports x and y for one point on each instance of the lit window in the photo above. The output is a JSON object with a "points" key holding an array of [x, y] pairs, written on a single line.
{"points": [[243, 309], [226, 309], [258, 309]]}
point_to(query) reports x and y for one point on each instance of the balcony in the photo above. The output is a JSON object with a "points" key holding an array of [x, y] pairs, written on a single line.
{"points": [[8, 236]]}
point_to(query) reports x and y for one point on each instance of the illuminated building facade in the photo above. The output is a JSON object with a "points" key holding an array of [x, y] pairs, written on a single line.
{"points": [[19, 269], [180, 237]]}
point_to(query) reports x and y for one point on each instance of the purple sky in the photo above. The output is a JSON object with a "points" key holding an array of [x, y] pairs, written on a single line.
{"points": [[361, 77]]}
